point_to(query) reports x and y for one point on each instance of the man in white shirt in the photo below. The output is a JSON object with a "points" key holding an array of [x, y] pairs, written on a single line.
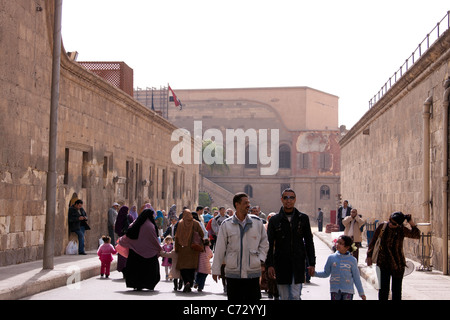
{"points": [[242, 246]]}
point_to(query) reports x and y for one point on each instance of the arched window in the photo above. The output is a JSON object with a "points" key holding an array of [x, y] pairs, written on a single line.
{"points": [[248, 189], [285, 156], [324, 193], [250, 159]]}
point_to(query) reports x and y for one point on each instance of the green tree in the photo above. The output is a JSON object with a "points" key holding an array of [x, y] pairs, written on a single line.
{"points": [[204, 199], [220, 167]]}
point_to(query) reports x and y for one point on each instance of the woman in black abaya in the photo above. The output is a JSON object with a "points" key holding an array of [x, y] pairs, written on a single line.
{"points": [[142, 269]]}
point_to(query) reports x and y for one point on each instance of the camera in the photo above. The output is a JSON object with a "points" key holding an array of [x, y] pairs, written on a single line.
{"points": [[408, 217]]}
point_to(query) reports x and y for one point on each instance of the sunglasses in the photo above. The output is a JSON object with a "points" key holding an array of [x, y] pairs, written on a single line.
{"points": [[289, 197], [395, 224]]}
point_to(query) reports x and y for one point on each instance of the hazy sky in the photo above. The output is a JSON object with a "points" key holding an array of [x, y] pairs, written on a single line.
{"points": [[347, 48]]}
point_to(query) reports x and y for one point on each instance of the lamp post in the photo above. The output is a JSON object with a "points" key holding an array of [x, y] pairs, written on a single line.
{"points": [[49, 237]]}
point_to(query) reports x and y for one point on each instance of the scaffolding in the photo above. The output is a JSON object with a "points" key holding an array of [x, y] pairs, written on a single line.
{"points": [[154, 99]]}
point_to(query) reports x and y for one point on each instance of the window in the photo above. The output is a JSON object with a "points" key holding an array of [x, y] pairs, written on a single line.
{"points": [[66, 166], [164, 184], [285, 156], [127, 180], [250, 157], [248, 189], [174, 185], [324, 192], [151, 184], [302, 160], [85, 169], [138, 179], [325, 161]]}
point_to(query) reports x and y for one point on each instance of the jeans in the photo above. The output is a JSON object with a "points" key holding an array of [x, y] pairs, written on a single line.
{"points": [[80, 234], [291, 291], [341, 296], [200, 280]]}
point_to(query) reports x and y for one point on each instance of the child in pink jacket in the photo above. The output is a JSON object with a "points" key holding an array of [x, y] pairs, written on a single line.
{"points": [[105, 253], [204, 266]]}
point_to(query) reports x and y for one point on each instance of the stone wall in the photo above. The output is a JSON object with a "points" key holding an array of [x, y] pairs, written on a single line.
{"points": [[110, 147], [382, 166]]}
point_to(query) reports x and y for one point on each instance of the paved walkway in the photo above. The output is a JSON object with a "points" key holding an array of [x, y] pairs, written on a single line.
{"points": [[22, 280]]}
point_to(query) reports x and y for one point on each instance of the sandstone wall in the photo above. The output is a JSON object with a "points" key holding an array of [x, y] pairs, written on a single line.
{"points": [[382, 155], [110, 147]]}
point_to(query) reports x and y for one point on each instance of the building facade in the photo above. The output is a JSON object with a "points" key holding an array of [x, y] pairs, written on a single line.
{"points": [[307, 124]]}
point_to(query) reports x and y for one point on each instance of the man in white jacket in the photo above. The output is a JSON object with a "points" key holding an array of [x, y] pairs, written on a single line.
{"points": [[241, 245]]}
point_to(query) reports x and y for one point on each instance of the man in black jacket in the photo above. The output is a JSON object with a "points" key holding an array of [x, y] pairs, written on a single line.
{"points": [[78, 224], [343, 211], [290, 242]]}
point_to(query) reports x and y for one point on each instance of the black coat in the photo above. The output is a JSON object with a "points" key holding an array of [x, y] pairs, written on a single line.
{"points": [[340, 217], [74, 220], [289, 245]]}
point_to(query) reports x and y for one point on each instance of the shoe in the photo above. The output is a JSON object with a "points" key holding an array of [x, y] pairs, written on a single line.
{"points": [[187, 287], [83, 253], [101, 275]]}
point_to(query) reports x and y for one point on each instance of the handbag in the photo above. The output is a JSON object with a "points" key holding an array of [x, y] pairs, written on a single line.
{"points": [[376, 248], [197, 243], [123, 251]]}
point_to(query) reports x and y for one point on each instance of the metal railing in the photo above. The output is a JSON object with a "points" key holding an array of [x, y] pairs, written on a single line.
{"points": [[423, 46]]}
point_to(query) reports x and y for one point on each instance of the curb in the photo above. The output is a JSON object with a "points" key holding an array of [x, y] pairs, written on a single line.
{"points": [[62, 275]]}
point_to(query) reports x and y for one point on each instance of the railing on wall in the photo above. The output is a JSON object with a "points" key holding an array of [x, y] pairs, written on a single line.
{"points": [[423, 46]]}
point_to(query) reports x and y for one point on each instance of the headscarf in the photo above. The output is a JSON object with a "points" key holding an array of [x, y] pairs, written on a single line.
{"points": [[73, 199], [133, 213], [121, 221], [133, 230], [172, 212], [142, 236], [185, 229], [159, 218]]}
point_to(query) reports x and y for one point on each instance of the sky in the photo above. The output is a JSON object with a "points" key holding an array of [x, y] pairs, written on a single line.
{"points": [[348, 48]]}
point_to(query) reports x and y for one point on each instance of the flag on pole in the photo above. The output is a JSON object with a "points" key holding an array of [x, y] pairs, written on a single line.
{"points": [[175, 99]]}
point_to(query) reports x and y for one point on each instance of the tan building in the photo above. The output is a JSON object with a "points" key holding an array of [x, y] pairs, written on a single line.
{"points": [[309, 157], [110, 147], [396, 157]]}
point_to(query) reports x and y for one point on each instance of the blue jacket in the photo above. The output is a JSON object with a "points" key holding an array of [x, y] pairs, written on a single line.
{"points": [[344, 272]]}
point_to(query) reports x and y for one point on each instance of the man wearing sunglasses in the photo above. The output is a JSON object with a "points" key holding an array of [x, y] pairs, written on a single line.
{"points": [[290, 242]]}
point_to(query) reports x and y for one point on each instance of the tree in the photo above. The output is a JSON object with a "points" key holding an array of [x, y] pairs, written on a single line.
{"points": [[215, 155]]}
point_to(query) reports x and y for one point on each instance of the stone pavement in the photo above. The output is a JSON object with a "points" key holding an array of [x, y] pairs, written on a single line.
{"points": [[22, 280]]}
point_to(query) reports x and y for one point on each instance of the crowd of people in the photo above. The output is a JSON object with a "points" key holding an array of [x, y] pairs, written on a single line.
{"points": [[250, 251]]}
